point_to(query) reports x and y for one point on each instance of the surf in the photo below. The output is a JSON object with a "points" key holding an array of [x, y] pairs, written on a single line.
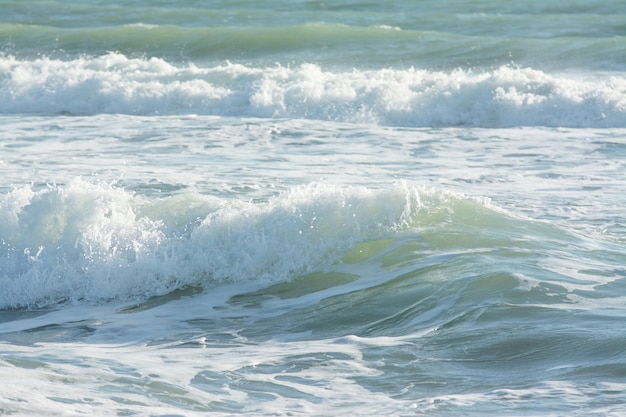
{"points": [[91, 243], [504, 97]]}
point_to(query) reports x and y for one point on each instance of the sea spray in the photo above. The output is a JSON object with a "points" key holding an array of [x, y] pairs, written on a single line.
{"points": [[94, 242], [503, 97]]}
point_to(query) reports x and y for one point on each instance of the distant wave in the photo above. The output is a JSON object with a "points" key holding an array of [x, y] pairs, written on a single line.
{"points": [[429, 41], [503, 97]]}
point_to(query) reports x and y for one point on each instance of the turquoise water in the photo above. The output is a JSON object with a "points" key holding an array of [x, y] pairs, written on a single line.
{"points": [[312, 208]]}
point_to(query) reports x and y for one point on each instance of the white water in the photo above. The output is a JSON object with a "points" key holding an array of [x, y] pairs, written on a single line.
{"points": [[503, 97]]}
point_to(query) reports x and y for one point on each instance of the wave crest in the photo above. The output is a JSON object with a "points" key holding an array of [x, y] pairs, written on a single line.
{"points": [[92, 242], [504, 97]]}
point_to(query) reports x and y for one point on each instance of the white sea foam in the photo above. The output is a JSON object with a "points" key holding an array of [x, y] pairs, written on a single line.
{"points": [[178, 381], [94, 242], [506, 96]]}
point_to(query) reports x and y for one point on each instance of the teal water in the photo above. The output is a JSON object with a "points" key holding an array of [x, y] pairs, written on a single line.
{"points": [[427, 34], [312, 208]]}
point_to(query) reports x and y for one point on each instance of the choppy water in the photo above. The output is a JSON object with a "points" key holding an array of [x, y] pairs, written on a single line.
{"points": [[313, 208]]}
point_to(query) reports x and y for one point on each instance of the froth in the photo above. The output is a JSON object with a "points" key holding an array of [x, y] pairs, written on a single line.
{"points": [[93, 242], [504, 97], [71, 242]]}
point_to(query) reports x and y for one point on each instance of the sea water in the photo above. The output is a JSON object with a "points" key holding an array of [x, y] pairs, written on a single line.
{"points": [[313, 208]]}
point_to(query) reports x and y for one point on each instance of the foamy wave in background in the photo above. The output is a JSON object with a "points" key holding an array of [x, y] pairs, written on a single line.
{"points": [[503, 97]]}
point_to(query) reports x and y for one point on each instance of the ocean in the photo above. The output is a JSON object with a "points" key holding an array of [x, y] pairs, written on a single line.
{"points": [[313, 208]]}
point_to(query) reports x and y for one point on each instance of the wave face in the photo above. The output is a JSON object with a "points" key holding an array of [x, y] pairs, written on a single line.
{"points": [[429, 45], [504, 97]]}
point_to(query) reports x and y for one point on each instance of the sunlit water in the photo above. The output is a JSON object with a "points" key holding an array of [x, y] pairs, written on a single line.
{"points": [[312, 209]]}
